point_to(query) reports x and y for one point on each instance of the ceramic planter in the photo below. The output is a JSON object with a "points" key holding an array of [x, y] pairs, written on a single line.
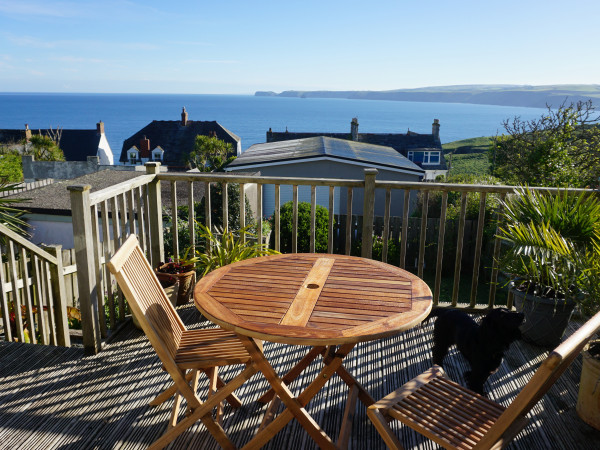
{"points": [[546, 319], [185, 278], [588, 401]]}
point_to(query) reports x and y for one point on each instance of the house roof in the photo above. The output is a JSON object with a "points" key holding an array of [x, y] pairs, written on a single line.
{"points": [[323, 147], [177, 139], [76, 145], [55, 199]]}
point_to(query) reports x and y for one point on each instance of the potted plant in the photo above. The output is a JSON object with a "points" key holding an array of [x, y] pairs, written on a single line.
{"points": [[549, 237], [225, 247], [183, 269]]}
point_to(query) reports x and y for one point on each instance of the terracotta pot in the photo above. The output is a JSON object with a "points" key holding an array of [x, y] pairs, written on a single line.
{"points": [[186, 280], [588, 401]]}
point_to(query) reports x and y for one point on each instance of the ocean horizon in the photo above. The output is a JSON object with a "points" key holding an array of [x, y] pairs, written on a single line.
{"points": [[249, 116]]}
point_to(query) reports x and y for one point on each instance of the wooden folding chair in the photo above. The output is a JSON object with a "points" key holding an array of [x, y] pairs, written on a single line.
{"points": [[455, 417], [180, 350]]}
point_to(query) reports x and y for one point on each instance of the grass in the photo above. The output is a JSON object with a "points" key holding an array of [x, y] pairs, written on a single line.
{"points": [[468, 156]]}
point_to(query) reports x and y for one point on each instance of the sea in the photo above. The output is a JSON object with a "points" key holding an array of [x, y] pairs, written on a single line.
{"points": [[249, 116]]}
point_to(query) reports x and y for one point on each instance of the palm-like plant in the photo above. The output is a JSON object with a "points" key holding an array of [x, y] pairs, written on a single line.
{"points": [[10, 216], [227, 247], [555, 241]]}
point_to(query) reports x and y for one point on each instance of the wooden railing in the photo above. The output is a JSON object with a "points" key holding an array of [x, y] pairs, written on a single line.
{"points": [[140, 210], [33, 299]]}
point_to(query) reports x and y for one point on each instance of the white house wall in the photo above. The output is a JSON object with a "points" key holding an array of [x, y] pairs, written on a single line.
{"points": [[104, 151], [332, 169]]}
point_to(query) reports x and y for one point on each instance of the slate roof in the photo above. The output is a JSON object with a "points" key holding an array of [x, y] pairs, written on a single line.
{"points": [[55, 199], [324, 146], [177, 139], [401, 142], [76, 145]]}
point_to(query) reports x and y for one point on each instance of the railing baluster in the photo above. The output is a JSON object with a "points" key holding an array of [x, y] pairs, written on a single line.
{"points": [[207, 206], [99, 274], [108, 252], [349, 221], [191, 219], [140, 217], [16, 297], [148, 226], [478, 244], [422, 237], [259, 212], [313, 221], [496, 255], [368, 213], [225, 198], [122, 218], [4, 305], [404, 235], [131, 215], [277, 218], [57, 285], [459, 246], [50, 296], [41, 299], [174, 218], [27, 297], [242, 209], [386, 224], [440, 249], [295, 220], [331, 218]]}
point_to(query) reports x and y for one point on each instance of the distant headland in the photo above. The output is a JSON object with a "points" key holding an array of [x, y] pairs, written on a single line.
{"points": [[480, 94]]}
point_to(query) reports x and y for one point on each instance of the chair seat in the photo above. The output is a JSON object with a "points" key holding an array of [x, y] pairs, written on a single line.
{"points": [[209, 348]]}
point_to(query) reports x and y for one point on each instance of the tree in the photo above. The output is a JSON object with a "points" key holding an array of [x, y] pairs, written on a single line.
{"points": [[43, 148], [210, 154], [561, 148], [287, 224]]}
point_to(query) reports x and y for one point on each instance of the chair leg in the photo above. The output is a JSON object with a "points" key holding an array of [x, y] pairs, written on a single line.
{"points": [[169, 392], [212, 388], [381, 424]]}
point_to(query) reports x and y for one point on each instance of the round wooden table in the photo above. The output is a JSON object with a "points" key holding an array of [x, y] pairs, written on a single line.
{"points": [[330, 302]]}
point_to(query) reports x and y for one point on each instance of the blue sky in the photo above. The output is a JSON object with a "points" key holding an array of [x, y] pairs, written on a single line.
{"points": [[238, 47]]}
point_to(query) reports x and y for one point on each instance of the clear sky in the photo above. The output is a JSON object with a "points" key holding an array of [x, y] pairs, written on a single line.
{"points": [[238, 47]]}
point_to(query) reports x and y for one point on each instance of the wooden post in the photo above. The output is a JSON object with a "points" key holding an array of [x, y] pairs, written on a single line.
{"points": [[86, 272], [368, 213], [157, 249], [59, 294]]}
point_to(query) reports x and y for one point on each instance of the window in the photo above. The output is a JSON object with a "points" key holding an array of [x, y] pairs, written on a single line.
{"points": [[132, 157], [411, 155]]}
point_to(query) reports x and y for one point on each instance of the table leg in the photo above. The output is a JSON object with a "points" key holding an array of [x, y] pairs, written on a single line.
{"points": [[294, 372], [295, 405]]}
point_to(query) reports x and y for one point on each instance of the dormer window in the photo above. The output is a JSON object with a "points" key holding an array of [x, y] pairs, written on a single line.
{"points": [[157, 154], [133, 155]]}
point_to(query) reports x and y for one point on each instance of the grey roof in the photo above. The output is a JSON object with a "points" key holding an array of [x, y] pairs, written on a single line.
{"points": [[55, 198], [76, 145], [401, 142], [177, 139], [323, 146]]}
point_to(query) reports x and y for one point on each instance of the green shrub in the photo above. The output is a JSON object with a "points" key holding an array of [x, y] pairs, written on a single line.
{"points": [[287, 224]]}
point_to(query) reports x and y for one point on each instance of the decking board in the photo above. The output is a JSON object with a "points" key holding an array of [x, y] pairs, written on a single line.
{"points": [[53, 397]]}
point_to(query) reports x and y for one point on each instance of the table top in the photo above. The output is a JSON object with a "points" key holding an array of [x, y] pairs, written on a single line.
{"points": [[313, 299]]}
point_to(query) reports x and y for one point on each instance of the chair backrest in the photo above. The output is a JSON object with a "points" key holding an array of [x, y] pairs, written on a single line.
{"points": [[147, 298], [543, 378]]}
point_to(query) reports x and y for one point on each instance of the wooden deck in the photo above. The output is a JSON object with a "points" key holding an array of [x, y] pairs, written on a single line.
{"points": [[53, 397]]}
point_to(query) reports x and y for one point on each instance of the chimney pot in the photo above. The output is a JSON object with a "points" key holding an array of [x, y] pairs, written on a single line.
{"points": [[184, 117], [435, 129], [354, 129]]}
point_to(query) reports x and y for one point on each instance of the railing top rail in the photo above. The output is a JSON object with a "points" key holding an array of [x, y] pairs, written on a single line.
{"points": [[121, 188], [27, 245], [469, 187], [237, 178]]}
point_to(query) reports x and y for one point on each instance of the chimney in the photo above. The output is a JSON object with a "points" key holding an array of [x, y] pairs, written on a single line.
{"points": [[144, 147], [100, 127], [435, 129], [27, 132], [354, 129], [184, 117]]}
